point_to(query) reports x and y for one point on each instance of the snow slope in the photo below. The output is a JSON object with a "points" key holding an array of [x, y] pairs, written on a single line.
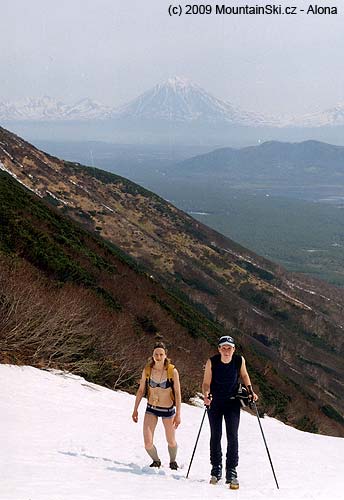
{"points": [[63, 438]]}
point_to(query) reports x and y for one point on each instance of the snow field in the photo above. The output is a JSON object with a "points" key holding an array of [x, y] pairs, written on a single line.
{"points": [[63, 438]]}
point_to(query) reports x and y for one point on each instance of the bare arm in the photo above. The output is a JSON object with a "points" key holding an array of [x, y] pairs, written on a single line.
{"points": [[139, 396], [246, 378], [206, 382], [178, 398]]}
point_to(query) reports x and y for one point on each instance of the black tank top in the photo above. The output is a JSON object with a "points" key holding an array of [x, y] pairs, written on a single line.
{"points": [[225, 376]]}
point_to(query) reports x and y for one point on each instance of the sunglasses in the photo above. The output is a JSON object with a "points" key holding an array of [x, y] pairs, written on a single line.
{"points": [[226, 340]]}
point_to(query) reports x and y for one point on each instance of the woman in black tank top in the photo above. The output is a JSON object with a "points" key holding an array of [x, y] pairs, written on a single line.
{"points": [[220, 383], [225, 376]]}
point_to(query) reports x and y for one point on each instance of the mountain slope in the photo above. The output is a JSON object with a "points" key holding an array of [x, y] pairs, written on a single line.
{"points": [[72, 301], [290, 328]]}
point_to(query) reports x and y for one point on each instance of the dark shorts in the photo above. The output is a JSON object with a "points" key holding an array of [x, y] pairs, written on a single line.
{"points": [[158, 411]]}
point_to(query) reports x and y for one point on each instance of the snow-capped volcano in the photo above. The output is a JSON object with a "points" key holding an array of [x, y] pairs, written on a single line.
{"points": [[178, 99], [49, 109]]}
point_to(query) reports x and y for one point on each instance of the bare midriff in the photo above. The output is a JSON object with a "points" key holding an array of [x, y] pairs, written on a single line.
{"points": [[159, 396]]}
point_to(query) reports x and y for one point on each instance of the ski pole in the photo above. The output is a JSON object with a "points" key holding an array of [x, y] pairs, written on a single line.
{"points": [[199, 432], [266, 446]]}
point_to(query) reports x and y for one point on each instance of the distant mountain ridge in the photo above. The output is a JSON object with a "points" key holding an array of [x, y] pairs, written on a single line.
{"points": [[273, 162], [176, 112], [175, 100], [330, 117], [49, 109]]}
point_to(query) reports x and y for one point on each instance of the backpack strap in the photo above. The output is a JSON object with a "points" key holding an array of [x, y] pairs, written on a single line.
{"points": [[170, 373], [148, 370]]}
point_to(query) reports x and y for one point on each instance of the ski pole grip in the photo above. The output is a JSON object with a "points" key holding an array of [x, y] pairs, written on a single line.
{"points": [[208, 405]]}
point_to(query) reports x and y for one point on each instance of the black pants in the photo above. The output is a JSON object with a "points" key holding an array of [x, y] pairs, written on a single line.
{"points": [[230, 411]]}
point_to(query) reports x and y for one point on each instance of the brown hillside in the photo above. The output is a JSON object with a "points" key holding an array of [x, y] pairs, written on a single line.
{"points": [[290, 328]]}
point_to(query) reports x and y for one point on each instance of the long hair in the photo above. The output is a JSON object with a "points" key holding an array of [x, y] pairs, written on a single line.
{"points": [[158, 345]]}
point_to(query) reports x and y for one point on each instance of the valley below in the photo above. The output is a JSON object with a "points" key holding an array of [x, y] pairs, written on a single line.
{"points": [[296, 225]]}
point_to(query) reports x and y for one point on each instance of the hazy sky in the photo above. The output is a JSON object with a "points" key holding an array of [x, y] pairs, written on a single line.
{"points": [[113, 50]]}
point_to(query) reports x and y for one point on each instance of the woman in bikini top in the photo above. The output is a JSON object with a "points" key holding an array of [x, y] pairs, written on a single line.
{"points": [[161, 403]]}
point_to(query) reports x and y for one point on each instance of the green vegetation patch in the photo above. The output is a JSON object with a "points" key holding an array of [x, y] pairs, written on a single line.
{"points": [[257, 271], [255, 296], [270, 396], [196, 283], [330, 412], [188, 317], [326, 369], [306, 424], [146, 324]]}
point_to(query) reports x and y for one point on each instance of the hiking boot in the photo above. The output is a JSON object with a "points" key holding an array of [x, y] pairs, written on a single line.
{"points": [[216, 472], [155, 463], [232, 479], [173, 465]]}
